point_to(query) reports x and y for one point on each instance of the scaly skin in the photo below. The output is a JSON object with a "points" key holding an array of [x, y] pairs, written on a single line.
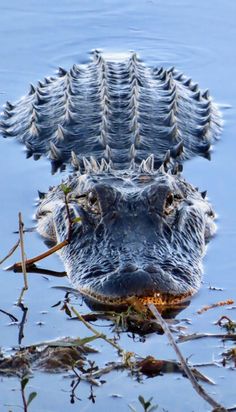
{"points": [[140, 228]]}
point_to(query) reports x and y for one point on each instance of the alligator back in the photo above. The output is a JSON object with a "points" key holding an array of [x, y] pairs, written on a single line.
{"points": [[117, 110]]}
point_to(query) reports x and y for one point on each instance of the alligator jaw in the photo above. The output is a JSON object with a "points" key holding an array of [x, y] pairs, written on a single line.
{"points": [[158, 299]]}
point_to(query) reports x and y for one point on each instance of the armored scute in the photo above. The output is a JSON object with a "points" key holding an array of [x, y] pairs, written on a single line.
{"points": [[137, 228]]}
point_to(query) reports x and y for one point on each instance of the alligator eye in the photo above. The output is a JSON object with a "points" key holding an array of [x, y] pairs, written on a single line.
{"points": [[93, 202], [210, 213], [169, 200], [92, 198], [169, 203]]}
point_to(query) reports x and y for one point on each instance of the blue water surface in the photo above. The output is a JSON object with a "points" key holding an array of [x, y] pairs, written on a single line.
{"points": [[199, 38]]}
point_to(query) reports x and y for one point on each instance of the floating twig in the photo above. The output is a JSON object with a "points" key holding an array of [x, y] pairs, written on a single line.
{"points": [[66, 190], [12, 317], [11, 251], [22, 323], [32, 395], [29, 262], [22, 387], [216, 305], [96, 333], [23, 265], [21, 227], [42, 271], [229, 324], [193, 336], [215, 288], [151, 367], [198, 388], [91, 377]]}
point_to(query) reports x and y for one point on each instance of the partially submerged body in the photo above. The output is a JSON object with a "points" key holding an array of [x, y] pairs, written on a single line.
{"points": [[139, 229]]}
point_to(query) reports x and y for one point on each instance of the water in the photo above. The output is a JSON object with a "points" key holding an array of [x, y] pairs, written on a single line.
{"points": [[197, 37]]}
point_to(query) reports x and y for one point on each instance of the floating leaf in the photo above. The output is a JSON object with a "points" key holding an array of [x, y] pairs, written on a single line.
{"points": [[147, 405], [31, 397], [56, 304], [24, 383], [65, 189], [88, 339], [66, 343], [142, 401], [66, 309], [77, 220]]}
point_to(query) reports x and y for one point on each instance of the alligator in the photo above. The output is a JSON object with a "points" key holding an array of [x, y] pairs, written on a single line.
{"points": [[138, 229]]}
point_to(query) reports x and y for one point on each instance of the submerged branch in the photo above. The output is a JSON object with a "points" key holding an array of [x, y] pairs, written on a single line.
{"points": [[22, 322], [11, 251], [29, 262], [193, 336], [216, 305], [198, 388], [23, 262], [42, 271], [12, 317], [95, 332]]}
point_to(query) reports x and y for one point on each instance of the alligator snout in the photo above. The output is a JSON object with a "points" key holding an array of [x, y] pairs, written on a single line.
{"points": [[139, 236], [147, 285]]}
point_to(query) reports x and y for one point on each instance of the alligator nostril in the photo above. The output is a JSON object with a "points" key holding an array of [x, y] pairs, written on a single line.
{"points": [[129, 267]]}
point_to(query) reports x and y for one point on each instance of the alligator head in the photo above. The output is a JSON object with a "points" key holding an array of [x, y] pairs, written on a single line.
{"points": [[136, 233]]}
